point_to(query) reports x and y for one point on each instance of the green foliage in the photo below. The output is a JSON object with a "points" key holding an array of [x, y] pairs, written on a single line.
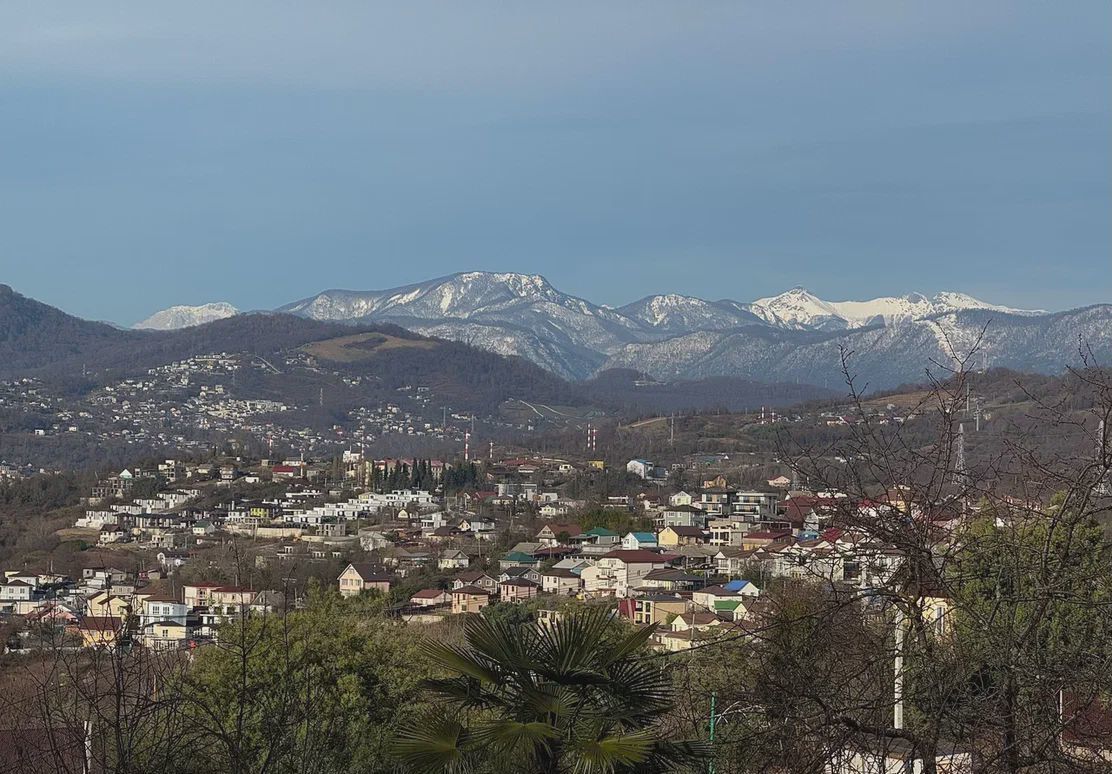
{"points": [[615, 520], [570, 696], [509, 614], [1028, 620], [320, 689]]}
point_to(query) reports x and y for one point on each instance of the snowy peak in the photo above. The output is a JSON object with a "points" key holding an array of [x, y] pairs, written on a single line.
{"points": [[524, 315], [799, 309], [674, 312], [187, 316], [456, 296]]}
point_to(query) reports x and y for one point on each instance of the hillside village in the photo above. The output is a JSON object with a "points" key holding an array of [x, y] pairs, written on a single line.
{"points": [[438, 539]]}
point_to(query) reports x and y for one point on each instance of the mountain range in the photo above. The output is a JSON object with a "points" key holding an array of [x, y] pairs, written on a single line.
{"points": [[793, 337], [375, 358]]}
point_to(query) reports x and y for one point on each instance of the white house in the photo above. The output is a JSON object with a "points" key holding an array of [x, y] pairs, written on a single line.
{"points": [[635, 540], [640, 468], [620, 571], [681, 498]]}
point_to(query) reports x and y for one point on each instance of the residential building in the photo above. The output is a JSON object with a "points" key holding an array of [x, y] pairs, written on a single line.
{"points": [[516, 590], [469, 599], [673, 537], [561, 582], [453, 559], [358, 577], [620, 571], [475, 578], [431, 598], [635, 540]]}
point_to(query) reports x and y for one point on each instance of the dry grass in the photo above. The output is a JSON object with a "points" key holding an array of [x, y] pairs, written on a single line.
{"points": [[362, 346]]}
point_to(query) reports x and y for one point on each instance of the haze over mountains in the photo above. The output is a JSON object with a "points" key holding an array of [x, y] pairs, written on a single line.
{"points": [[794, 336]]}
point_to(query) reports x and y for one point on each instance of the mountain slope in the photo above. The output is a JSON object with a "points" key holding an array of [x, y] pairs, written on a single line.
{"points": [[524, 315], [519, 314], [187, 316], [33, 334], [800, 309], [676, 313], [881, 355]]}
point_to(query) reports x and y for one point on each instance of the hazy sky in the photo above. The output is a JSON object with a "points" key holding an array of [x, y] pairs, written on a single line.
{"points": [[158, 153]]}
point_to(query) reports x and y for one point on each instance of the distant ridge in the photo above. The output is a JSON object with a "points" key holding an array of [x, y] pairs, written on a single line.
{"points": [[793, 337], [187, 316]]}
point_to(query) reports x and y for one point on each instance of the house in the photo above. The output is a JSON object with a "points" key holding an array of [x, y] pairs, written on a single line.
{"points": [[202, 528], [483, 529], [358, 577], [475, 578], [111, 533], [106, 604], [453, 559], [618, 572], [17, 596], [688, 630], [517, 558], [673, 537], [683, 516], [599, 536], [223, 604], [520, 572], [561, 581], [780, 482], [670, 579], [707, 598], [717, 501], [373, 540], [635, 540], [761, 538], [163, 623], [100, 631], [268, 602], [755, 505], [640, 468], [680, 498], [431, 598], [197, 594], [516, 590], [469, 599], [556, 533], [657, 608]]}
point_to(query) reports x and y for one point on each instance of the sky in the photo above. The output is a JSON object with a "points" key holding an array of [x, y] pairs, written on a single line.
{"points": [[159, 153]]}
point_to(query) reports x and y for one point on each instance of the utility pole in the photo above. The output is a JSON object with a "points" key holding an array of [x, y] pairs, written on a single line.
{"points": [[959, 457], [898, 684], [713, 723], [1102, 487]]}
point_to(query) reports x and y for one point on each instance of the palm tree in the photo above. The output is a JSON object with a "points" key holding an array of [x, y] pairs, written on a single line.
{"points": [[571, 696]]}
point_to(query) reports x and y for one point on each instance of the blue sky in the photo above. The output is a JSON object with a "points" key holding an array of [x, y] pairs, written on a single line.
{"points": [[155, 153]]}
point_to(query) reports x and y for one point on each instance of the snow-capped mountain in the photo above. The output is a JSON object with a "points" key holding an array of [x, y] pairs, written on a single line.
{"points": [[880, 356], [800, 309], [672, 312], [187, 316], [512, 314], [793, 336]]}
